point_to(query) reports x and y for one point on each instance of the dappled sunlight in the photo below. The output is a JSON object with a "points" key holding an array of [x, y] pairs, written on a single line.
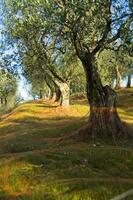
{"points": [[31, 125], [66, 174], [66, 116], [41, 121], [12, 181], [42, 111], [125, 116], [7, 123], [35, 164]]}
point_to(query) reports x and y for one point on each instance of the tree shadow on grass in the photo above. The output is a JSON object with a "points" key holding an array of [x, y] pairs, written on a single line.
{"points": [[48, 106], [75, 174], [32, 132]]}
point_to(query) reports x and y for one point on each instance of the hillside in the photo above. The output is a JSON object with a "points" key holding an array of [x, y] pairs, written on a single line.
{"points": [[37, 164]]}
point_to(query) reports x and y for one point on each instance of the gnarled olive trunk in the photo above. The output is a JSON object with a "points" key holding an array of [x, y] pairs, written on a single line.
{"points": [[51, 91], [1, 101], [51, 94], [57, 95], [103, 117], [40, 94], [118, 78], [63, 86], [5, 101], [65, 94], [129, 81]]}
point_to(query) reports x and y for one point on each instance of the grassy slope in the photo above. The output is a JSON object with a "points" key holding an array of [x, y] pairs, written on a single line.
{"points": [[35, 165]]}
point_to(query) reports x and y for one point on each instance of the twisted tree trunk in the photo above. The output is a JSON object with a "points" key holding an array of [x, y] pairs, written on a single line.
{"points": [[65, 92], [51, 95], [118, 78], [51, 87], [103, 119], [129, 81], [40, 94], [63, 87], [1, 101], [57, 95], [5, 101]]}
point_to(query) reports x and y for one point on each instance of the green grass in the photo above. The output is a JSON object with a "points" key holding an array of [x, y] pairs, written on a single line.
{"points": [[35, 165]]}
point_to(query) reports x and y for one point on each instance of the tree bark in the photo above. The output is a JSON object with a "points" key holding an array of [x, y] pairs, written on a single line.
{"points": [[129, 81], [50, 85], [41, 96], [63, 87], [118, 78], [5, 101], [65, 94], [103, 119], [51, 95], [58, 95], [1, 101]]}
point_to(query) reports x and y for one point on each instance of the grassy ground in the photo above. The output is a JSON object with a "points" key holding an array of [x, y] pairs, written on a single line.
{"points": [[35, 165]]}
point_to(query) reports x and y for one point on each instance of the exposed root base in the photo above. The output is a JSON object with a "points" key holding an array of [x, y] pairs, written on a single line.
{"points": [[112, 134], [89, 132]]}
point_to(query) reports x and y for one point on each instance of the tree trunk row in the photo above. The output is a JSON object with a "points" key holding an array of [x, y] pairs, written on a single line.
{"points": [[3, 101], [59, 90], [103, 119]]}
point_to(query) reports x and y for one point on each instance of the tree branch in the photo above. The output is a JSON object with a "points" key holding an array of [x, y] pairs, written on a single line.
{"points": [[117, 35], [121, 17], [106, 31], [103, 41]]}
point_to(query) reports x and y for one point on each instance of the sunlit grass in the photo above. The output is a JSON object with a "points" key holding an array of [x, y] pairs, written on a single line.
{"points": [[34, 165]]}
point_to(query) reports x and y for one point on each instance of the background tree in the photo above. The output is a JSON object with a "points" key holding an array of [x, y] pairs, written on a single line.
{"points": [[113, 66], [34, 50], [38, 52], [129, 76], [91, 26], [8, 86], [84, 27]]}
